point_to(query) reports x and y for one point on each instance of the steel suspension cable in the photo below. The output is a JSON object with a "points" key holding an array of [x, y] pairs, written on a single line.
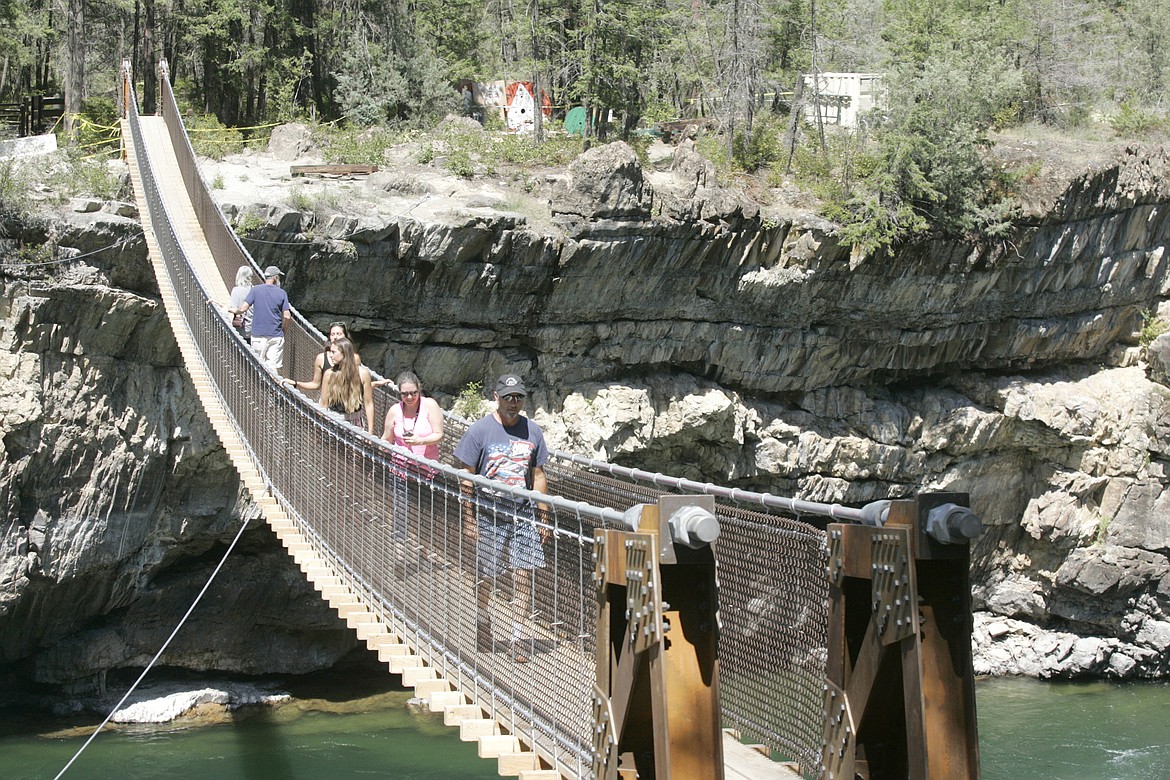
{"points": [[161, 650]]}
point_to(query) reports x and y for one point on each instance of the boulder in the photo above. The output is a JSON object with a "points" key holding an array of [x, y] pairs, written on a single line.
{"points": [[1158, 355], [293, 141], [605, 182]]}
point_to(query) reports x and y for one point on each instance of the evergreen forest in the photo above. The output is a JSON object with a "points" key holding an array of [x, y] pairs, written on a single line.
{"points": [[953, 71]]}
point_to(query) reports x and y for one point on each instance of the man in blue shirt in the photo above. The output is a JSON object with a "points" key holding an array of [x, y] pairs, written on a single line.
{"points": [[269, 319], [509, 448]]}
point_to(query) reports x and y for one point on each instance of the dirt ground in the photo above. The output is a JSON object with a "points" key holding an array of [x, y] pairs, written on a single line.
{"points": [[1044, 162], [1047, 161]]}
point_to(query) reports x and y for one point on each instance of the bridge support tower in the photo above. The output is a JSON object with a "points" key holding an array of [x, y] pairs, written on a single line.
{"points": [[656, 703], [900, 692]]}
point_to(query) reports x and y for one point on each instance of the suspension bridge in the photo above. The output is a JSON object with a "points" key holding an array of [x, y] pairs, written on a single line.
{"points": [[384, 544]]}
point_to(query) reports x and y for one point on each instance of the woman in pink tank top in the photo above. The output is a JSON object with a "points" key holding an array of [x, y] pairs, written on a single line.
{"points": [[416, 421]]}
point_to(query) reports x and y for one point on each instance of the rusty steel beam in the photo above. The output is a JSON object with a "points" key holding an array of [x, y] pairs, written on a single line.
{"points": [[900, 692], [656, 702]]}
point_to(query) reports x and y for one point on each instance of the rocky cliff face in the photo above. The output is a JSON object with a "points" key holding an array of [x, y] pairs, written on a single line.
{"points": [[118, 500], [669, 326], [662, 323]]}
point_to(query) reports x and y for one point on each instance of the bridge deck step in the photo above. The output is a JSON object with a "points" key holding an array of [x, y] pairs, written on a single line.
{"points": [[440, 701], [472, 729], [386, 652], [455, 714], [346, 605], [334, 592], [512, 764], [416, 674], [495, 745], [369, 630], [424, 688], [399, 662]]}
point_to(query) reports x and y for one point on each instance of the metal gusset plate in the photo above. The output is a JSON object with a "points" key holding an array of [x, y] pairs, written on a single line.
{"points": [[893, 593], [599, 559], [604, 740], [643, 594], [836, 562], [839, 745]]}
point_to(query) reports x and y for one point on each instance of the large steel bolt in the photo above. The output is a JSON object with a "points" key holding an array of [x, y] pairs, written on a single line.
{"points": [[953, 524], [694, 527]]}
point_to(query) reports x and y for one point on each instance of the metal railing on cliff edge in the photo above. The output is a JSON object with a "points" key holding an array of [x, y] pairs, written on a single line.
{"points": [[390, 524]]}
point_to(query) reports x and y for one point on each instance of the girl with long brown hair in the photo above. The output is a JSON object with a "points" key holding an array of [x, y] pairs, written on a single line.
{"points": [[347, 387]]}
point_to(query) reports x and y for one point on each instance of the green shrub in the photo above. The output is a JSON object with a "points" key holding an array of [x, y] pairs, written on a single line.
{"points": [[641, 146], [1153, 326], [493, 121], [321, 202], [426, 153], [33, 254], [459, 163], [355, 146], [249, 223], [210, 138], [658, 111], [470, 401], [300, 200], [714, 147], [99, 128], [873, 226], [16, 185], [519, 148], [759, 147], [1103, 523], [84, 174], [1131, 121]]}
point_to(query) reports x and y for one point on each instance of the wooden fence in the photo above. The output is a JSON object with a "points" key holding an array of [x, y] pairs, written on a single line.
{"points": [[32, 114]]}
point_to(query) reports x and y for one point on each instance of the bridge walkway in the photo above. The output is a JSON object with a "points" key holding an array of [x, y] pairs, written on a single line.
{"points": [[381, 537]]}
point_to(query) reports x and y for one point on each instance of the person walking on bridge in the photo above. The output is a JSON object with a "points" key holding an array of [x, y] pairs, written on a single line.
{"points": [[241, 322], [323, 362], [270, 317], [507, 447], [347, 387], [415, 423]]}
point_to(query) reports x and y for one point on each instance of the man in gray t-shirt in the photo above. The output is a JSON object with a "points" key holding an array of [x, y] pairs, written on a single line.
{"points": [[508, 448]]}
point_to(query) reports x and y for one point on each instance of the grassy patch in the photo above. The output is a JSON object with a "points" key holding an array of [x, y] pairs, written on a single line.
{"points": [[16, 185], [210, 138], [356, 146], [94, 177], [1153, 326], [249, 223]]}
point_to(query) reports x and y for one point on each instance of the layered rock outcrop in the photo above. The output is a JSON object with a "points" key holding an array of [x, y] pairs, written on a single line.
{"points": [[722, 344], [117, 498], [661, 323]]}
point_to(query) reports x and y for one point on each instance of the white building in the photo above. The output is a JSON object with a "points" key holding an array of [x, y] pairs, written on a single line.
{"points": [[841, 97]]}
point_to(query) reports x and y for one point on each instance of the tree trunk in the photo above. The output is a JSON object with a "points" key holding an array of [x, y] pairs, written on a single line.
{"points": [[538, 112], [812, 21], [149, 61], [590, 97], [793, 121], [75, 68]]}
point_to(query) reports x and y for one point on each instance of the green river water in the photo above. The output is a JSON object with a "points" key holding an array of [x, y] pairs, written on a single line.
{"points": [[1028, 730]]}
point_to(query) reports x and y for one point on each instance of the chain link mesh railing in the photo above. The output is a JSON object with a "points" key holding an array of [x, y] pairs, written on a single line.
{"points": [[393, 528]]}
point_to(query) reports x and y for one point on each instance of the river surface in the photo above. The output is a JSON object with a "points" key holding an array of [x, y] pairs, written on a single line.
{"points": [[1028, 730]]}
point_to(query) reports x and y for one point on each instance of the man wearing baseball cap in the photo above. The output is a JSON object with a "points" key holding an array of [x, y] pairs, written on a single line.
{"points": [[269, 319], [507, 447]]}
